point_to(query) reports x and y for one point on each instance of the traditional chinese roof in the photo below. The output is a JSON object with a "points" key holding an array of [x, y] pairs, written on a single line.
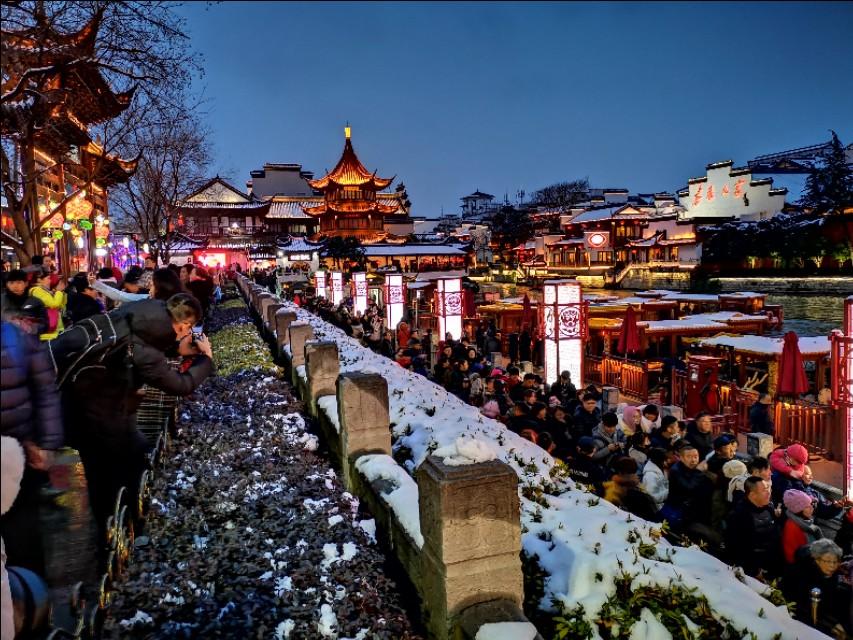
{"points": [[406, 250], [350, 172], [217, 197], [105, 169], [298, 245]]}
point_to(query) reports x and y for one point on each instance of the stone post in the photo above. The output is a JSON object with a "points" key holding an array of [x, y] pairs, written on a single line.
{"points": [[269, 319], [322, 368], [259, 302], [363, 415], [300, 333], [265, 305], [283, 320], [759, 444], [471, 525]]}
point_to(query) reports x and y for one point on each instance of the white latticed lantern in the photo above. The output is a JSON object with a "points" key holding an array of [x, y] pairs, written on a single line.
{"points": [[337, 287], [449, 307], [320, 284], [841, 364], [563, 320], [359, 291], [395, 300]]}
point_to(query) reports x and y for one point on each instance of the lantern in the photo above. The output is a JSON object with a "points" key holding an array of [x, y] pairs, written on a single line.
{"points": [[320, 284], [85, 225], [57, 234], [126, 242], [337, 287], [563, 320], [449, 307], [100, 242], [841, 361], [80, 242], [78, 207], [395, 301], [359, 291]]}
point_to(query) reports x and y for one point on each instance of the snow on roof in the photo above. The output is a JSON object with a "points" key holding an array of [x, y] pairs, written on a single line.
{"points": [[743, 294], [299, 245], [692, 297], [727, 316], [558, 528], [377, 250], [809, 345], [292, 209], [425, 276], [596, 214], [530, 244]]}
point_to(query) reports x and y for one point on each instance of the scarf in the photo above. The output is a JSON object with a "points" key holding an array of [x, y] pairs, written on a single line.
{"points": [[811, 530]]}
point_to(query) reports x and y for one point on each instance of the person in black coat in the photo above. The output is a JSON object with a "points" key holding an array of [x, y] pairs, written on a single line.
{"points": [[818, 566], [700, 434], [583, 469], [29, 412], [760, 420], [101, 402], [82, 300], [690, 489], [753, 538], [586, 418]]}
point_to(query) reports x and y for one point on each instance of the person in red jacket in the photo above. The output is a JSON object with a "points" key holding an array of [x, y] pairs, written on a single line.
{"points": [[799, 527]]}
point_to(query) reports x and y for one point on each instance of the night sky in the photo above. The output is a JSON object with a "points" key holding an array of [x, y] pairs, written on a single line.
{"points": [[455, 97]]}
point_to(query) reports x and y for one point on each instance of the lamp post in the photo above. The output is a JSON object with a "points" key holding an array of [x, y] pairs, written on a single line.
{"points": [[359, 291], [841, 362], [449, 307], [394, 300], [563, 319]]}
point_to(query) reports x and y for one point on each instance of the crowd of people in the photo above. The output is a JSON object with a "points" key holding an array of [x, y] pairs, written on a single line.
{"points": [[76, 353], [757, 513]]}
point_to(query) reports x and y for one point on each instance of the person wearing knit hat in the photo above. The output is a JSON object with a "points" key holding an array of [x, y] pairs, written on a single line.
{"points": [[491, 409], [736, 473], [799, 526], [787, 466], [630, 419]]}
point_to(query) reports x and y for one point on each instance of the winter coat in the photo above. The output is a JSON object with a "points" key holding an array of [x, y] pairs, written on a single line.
{"points": [[584, 422], [11, 472], [655, 483], [835, 597], [760, 420], [103, 399], [493, 345], [80, 306], [29, 402], [602, 441], [625, 493], [586, 471], [51, 300], [690, 493], [753, 538], [796, 532], [704, 442]]}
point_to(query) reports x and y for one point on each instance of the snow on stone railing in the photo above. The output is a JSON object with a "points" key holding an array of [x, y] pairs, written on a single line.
{"points": [[587, 547]]}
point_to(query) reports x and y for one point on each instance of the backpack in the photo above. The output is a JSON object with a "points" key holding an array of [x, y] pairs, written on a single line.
{"points": [[89, 343], [52, 320]]}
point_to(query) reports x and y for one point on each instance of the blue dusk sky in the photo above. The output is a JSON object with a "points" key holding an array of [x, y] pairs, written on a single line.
{"points": [[453, 97]]}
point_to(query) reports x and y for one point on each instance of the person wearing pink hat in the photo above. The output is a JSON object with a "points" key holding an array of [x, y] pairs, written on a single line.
{"points": [[491, 409], [799, 526], [630, 419], [787, 465]]}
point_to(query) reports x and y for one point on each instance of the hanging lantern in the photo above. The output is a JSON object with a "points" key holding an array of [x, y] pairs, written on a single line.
{"points": [[45, 239], [145, 247], [75, 231], [78, 207], [449, 307], [86, 225], [563, 319], [320, 284], [395, 301], [80, 242], [102, 232], [100, 252], [126, 242], [100, 242], [337, 287], [359, 291], [99, 218], [57, 234]]}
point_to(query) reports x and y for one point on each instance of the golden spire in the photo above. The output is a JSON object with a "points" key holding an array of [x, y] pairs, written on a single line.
{"points": [[347, 131]]}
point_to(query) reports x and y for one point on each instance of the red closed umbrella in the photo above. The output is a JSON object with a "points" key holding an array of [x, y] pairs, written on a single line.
{"points": [[629, 336], [792, 374]]}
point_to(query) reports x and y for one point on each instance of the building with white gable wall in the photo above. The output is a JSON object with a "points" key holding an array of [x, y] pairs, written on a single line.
{"points": [[730, 192]]}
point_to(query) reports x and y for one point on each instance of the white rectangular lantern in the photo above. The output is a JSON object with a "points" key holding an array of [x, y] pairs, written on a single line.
{"points": [[563, 320], [337, 279], [449, 307], [395, 300], [359, 291], [841, 364], [320, 284]]}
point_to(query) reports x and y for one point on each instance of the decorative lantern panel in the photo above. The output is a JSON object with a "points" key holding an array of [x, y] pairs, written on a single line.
{"points": [[359, 291], [842, 387], [337, 279], [449, 307], [395, 300], [320, 284], [563, 319]]}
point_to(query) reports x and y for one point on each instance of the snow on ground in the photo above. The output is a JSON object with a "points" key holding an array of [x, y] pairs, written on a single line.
{"points": [[506, 631], [580, 539]]}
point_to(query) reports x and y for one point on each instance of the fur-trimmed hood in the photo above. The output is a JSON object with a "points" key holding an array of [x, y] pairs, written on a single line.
{"points": [[11, 471]]}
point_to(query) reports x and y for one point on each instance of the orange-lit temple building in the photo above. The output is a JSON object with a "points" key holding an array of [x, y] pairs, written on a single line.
{"points": [[63, 209], [353, 203]]}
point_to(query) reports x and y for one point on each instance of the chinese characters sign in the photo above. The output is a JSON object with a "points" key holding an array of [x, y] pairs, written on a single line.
{"points": [[394, 300], [320, 284], [449, 307], [359, 287], [337, 287], [564, 327]]}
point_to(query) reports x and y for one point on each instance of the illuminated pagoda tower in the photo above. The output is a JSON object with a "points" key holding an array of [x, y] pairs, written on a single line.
{"points": [[53, 91], [353, 203]]}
